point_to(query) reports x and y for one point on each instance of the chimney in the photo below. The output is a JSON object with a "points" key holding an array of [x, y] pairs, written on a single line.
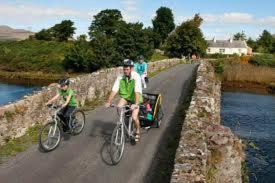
{"points": [[214, 39], [230, 39]]}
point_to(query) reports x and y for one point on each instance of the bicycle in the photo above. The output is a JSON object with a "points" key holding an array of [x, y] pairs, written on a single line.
{"points": [[124, 126], [50, 134]]}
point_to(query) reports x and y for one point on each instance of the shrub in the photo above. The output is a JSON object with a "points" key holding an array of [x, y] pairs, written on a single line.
{"points": [[263, 60]]}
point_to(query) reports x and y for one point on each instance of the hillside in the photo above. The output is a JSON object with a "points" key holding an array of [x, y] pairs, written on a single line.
{"points": [[7, 33]]}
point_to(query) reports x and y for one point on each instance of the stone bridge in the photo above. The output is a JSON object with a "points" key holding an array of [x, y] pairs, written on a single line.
{"points": [[207, 151]]}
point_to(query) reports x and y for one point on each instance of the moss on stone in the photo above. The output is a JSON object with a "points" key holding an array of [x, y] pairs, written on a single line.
{"points": [[13, 146]]}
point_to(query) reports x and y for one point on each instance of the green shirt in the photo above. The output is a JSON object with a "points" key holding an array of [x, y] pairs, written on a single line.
{"points": [[128, 87], [68, 92]]}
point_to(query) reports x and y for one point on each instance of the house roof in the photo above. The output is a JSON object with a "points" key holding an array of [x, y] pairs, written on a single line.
{"points": [[226, 44]]}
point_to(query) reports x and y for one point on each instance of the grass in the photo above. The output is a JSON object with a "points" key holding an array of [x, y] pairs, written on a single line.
{"points": [[158, 57], [13, 146], [244, 169], [248, 73]]}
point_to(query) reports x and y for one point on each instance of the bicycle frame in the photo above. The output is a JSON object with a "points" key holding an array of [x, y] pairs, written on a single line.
{"points": [[56, 119], [121, 122]]}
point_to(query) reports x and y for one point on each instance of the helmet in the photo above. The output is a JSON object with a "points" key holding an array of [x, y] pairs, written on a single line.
{"points": [[141, 57], [128, 63], [64, 82]]}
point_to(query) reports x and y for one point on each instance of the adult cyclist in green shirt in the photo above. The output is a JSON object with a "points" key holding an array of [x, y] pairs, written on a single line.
{"points": [[69, 105], [129, 88]]}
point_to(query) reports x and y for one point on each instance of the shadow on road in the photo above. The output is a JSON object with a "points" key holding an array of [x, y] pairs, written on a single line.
{"points": [[161, 168], [104, 130]]}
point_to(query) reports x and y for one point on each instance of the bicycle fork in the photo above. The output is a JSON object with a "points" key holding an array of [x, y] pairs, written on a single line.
{"points": [[120, 125]]}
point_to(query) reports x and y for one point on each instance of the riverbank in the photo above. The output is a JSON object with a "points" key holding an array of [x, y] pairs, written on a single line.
{"points": [[245, 77], [250, 87], [32, 78]]}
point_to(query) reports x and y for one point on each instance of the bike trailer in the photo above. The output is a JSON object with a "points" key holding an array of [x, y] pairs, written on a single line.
{"points": [[151, 112]]}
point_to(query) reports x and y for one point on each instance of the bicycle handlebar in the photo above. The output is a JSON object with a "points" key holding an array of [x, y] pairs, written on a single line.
{"points": [[55, 107], [125, 106]]}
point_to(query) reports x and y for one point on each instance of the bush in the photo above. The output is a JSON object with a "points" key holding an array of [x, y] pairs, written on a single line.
{"points": [[33, 55], [79, 57], [218, 65], [263, 60]]}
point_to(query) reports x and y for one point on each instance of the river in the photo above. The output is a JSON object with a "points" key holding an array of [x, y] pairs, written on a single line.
{"points": [[13, 92], [252, 117]]}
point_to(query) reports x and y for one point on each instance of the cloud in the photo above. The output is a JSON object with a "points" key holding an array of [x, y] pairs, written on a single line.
{"points": [[31, 13], [232, 18], [130, 10]]}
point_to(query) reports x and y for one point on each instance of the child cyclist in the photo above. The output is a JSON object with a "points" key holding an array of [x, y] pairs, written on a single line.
{"points": [[69, 105]]}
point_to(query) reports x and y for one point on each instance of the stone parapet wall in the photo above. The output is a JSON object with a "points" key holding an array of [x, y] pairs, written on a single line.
{"points": [[207, 151]]}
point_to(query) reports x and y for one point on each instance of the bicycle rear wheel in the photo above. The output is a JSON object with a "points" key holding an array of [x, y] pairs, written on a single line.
{"points": [[117, 144], [78, 122], [49, 137]]}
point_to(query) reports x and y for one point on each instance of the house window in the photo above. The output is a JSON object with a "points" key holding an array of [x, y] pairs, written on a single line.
{"points": [[222, 50], [208, 50]]}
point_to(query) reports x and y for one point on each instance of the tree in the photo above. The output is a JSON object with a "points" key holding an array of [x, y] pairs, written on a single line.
{"points": [[132, 40], [106, 22], [187, 39], [44, 34], [163, 24], [105, 50], [240, 36], [252, 43], [63, 31], [266, 42], [80, 57]]}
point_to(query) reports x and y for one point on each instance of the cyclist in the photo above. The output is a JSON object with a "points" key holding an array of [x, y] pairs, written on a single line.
{"points": [[129, 88], [141, 68], [69, 105]]}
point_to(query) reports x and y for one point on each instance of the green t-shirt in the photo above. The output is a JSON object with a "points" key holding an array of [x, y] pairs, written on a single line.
{"points": [[68, 92], [127, 90]]}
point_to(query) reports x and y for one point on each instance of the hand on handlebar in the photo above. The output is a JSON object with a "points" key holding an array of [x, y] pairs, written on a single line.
{"points": [[107, 104], [134, 106], [49, 105]]}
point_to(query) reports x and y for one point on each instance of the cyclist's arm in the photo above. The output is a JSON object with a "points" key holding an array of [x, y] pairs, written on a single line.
{"points": [[53, 99], [137, 98], [68, 98], [145, 68], [114, 90], [138, 88]]}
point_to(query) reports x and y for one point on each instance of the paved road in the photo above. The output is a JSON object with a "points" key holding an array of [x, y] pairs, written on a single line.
{"points": [[84, 158]]}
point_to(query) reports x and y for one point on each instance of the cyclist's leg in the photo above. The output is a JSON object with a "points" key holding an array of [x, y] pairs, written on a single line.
{"points": [[61, 114], [143, 76], [122, 102], [136, 122], [68, 113]]}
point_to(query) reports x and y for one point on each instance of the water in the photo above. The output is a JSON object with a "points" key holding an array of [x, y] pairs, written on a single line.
{"points": [[252, 117], [13, 92]]}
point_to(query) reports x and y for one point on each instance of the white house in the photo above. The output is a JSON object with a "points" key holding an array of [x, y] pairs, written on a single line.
{"points": [[227, 47]]}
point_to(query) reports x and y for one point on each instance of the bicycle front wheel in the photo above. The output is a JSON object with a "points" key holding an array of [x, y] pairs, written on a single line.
{"points": [[78, 122], [117, 144], [49, 137]]}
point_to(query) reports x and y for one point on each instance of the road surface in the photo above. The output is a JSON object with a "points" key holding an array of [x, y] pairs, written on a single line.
{"points": [[84, 158]]}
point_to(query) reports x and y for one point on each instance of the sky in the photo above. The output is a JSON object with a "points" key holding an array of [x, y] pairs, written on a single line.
{"points": [[222, 18]]}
